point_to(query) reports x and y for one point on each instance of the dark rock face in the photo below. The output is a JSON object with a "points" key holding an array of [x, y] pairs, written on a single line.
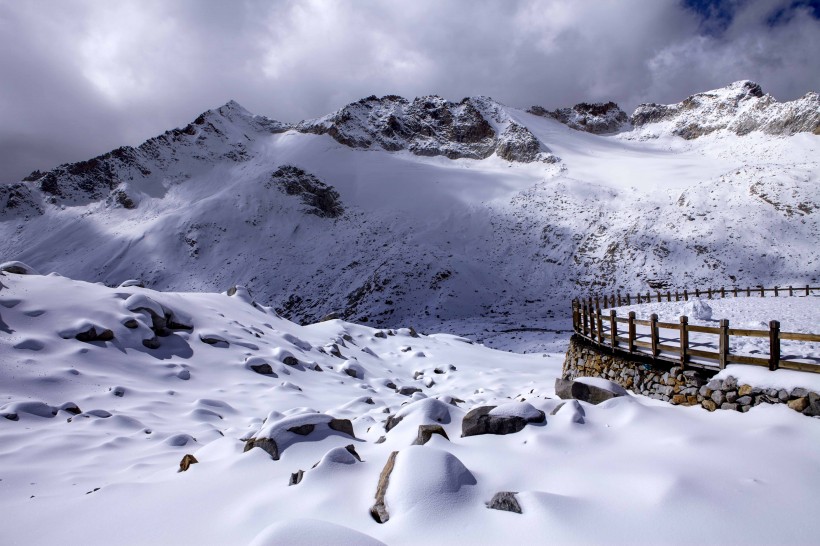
{"points": [[342, 425], [302, 430], [263, 369], [18, 200], [427, 126], [479, 421], [517, 143], [322, 200], [426, 432], [408, 391], [506, 501], [379, 509], [296, 477], [597, 118], [563, 388], [265, 444]]}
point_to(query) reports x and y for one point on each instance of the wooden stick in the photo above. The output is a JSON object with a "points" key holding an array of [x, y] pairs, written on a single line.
{"points": [[723, 349], [684, 341], [774, 345]]}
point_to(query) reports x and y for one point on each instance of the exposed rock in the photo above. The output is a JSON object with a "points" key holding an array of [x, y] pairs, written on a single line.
{"points": [[263, 368], [799, 404], [296, 477], [709, 405], [342, 425], [739, 108], [408, 391], [426, 432], [321, 200], [481, 420], [595, 390], [186, 462], [506, 501], [598, 118], [18, 268], [302, 430], [563, 388], [330, 316], [379, 509]]}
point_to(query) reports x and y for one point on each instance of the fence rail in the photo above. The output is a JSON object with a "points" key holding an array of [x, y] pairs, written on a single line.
{"points": [[617, 300], [688, 345]]}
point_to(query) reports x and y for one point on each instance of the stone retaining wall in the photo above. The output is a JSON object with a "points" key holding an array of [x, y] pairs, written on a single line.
{"points": [[661, 380]]}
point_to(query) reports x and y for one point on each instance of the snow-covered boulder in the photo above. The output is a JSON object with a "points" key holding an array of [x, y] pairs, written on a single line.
{"points": [[504, 419], [697, 309], [18, 268], [279, 433], [591, 389]]}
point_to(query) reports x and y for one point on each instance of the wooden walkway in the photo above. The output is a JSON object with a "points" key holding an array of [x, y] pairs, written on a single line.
{"points": [[689, 345]]}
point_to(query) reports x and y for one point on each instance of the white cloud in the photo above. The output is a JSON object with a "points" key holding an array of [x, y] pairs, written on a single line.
{"points": [[83, 77]]}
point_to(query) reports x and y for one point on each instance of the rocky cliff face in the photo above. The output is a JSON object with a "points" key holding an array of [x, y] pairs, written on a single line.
{"points": [[740, 108], [597, 118], [431, 126]]}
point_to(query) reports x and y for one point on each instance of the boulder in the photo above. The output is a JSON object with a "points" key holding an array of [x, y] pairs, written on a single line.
{"points": [[186, 462], [379, 509], [426, 432], [595, 389], [296, 477], [279, 433], [507, 420], [505, 500]]}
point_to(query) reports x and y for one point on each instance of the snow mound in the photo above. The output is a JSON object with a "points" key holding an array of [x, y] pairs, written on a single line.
{"points": [[603, 384], [696, 309], [311, 532], [427, 482]]}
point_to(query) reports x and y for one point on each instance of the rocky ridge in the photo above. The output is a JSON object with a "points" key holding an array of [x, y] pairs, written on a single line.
{"points": [[739, 108]]}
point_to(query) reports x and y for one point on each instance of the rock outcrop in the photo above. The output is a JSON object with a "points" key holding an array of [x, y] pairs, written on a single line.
{"points": [[505, 419], [597, 118], [740, 108]]}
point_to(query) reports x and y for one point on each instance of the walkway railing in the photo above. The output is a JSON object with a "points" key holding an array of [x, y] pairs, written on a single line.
{"points": [[689, 345]]}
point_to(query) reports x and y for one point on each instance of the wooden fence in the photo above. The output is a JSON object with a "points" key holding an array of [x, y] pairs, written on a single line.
{"points": [[688, 344]]}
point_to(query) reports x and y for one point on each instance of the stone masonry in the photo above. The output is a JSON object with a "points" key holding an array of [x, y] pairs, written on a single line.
{"points": [[661, 380]]}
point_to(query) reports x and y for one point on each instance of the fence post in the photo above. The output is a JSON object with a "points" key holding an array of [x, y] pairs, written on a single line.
{"points": [[775, 291], [599, 326], [709, 292], [685, 295], [597, 302], [697, 292], [807, 289], [774, 345], [658, 293], [585, 317], [669, 296], [677, 296], [684, 341], [606, 302], [613, 330], [628, 299], [762, 291], [724, 342], [619, 298], [734, 291], [631, 331], [791, 291], [575, 315], [648, 297], [612, 300], [722, 292], [748, 292], [653, 333]]}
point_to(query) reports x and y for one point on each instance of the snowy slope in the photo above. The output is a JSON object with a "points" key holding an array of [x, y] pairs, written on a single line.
{"points": [[444, 212], [92, 434]]}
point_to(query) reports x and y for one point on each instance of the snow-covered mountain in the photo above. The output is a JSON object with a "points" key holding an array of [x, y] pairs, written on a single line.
{"points": [[424, 212]]}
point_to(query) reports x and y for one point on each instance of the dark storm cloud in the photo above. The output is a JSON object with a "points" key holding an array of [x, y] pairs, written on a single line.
{"points": [[82, 77]]}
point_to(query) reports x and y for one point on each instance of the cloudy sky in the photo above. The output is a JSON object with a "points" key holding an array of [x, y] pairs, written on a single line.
{"points": [[82, 77]]}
